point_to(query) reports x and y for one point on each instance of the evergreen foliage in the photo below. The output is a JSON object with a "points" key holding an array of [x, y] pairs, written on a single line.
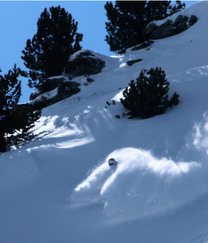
{"points": [[14, 118], [47, 53], [10, 91], [148, 95], [20, 121], [128, 19]]}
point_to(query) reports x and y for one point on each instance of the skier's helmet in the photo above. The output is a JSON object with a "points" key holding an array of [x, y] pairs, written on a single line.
{"points": [[112, 161]]}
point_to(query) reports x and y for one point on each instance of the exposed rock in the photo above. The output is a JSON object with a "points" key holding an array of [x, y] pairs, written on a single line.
{"points": [[150, 28], [57, 88], [169, 27], [84, 63], [143, 45], [180, 20], [50, 84], [41, 103], [164, 30], [192, 20], [90, 80], [132, 62], [181, 24], [63, 89], [67, 89]]}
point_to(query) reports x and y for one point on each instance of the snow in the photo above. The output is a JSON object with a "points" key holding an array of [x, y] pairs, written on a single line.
{"points": [[46, 95], [131, 183], [93, 54], [60, 188]]}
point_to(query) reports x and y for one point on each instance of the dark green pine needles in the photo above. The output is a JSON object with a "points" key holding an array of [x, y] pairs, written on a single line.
{"points": [[148, 95]]}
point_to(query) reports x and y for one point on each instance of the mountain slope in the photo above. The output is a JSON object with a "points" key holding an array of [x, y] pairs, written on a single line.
{"points": [[59, 188]]}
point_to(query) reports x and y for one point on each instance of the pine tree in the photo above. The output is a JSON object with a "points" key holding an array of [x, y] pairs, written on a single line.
{"points": [[10, 91], [148, 95], [128, 19], [47, 53], [12, 117], [124, 25], [157, 10], [21, 120]]}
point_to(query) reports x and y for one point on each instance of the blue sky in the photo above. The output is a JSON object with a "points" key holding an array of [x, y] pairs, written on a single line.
{"points": [[18, 23]]}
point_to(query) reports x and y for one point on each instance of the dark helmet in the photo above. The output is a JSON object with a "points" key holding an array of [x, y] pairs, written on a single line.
{"points": [[112, 161]]}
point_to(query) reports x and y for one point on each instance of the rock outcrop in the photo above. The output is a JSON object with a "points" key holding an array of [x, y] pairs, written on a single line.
{"points": [[169, 27], [84, 63], [53, 90]]}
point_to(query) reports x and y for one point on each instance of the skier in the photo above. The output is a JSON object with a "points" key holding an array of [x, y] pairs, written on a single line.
{"points": [[112, 162]]}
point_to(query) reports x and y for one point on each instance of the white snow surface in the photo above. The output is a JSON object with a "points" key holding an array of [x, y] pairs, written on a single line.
{"points": [[59, 188]]}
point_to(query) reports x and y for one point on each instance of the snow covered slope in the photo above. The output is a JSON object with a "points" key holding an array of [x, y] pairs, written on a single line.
{"points": [[59, 188]]}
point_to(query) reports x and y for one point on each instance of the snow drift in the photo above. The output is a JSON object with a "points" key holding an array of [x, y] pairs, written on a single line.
{"points": [[140, 185]]}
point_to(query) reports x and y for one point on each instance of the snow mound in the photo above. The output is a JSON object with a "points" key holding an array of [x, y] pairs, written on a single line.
{"points": [[140, 185]]}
